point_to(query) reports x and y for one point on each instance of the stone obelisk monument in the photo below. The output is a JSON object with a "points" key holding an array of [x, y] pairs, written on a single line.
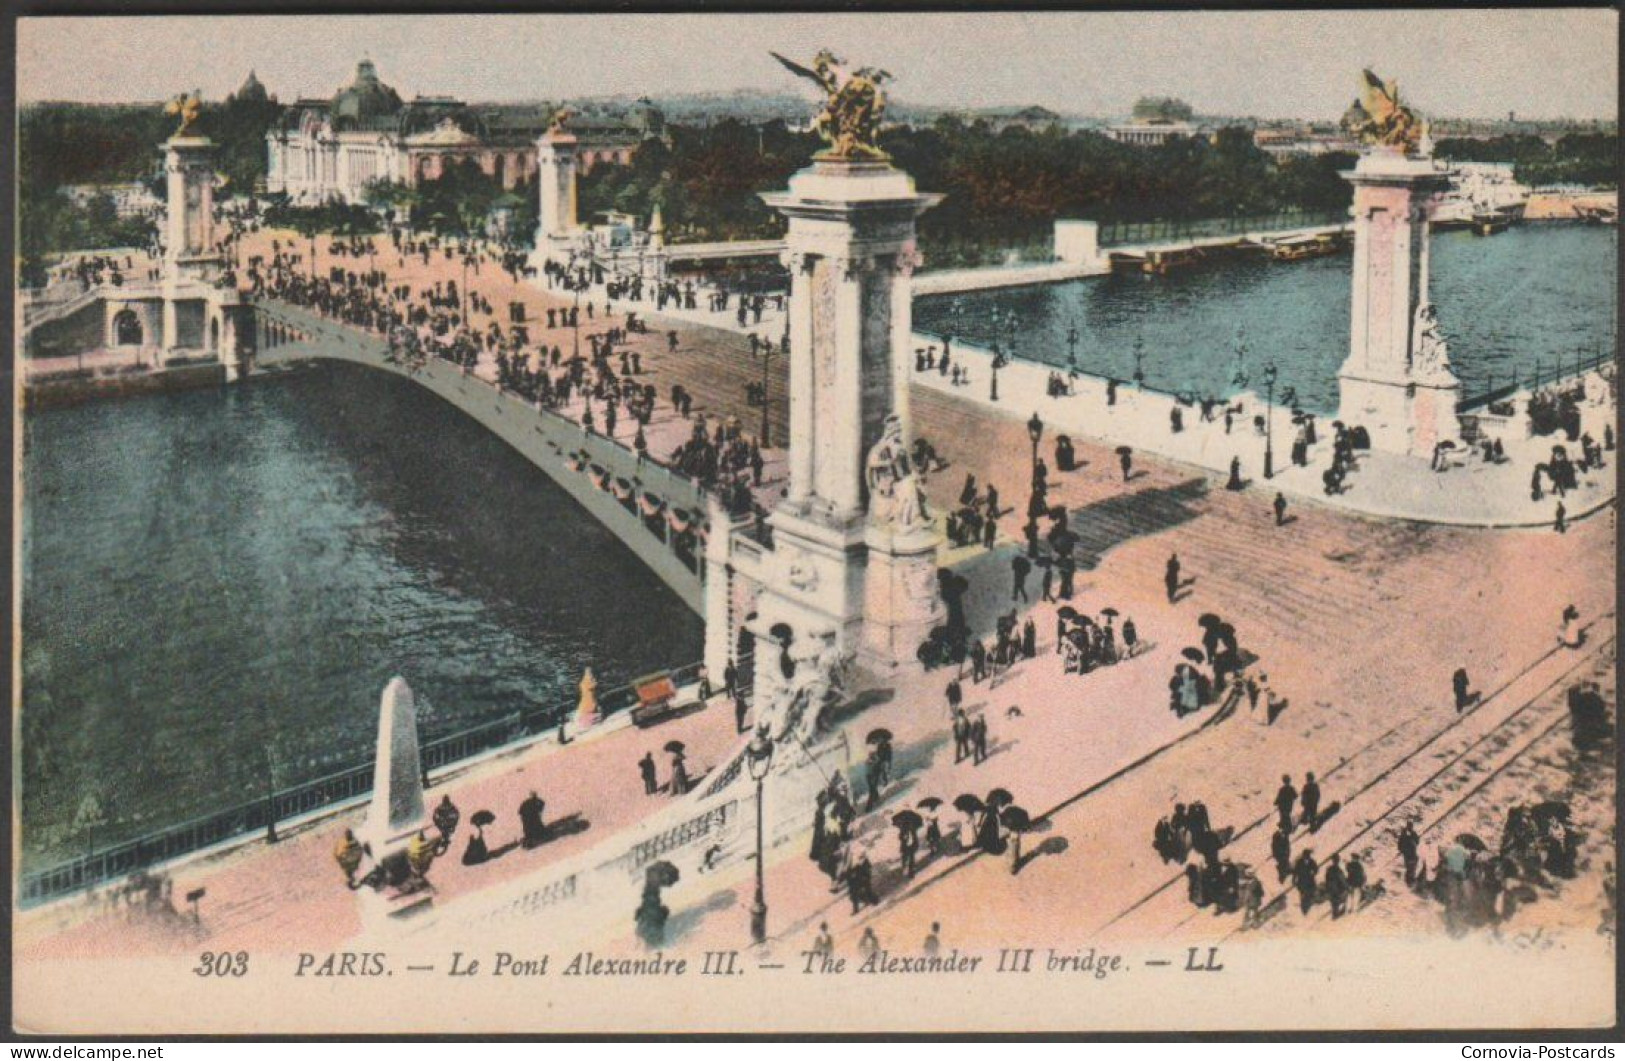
{"points": [[854, 558], [1397, 382], [396, 811]]}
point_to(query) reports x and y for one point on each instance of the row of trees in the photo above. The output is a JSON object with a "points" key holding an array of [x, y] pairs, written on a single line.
{"points": [[706, 182], [459, 202], [1577, 158]]}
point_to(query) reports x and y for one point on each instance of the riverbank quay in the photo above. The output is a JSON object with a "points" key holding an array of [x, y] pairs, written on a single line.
{"points": [[290, 895], [1318, 602], [1569, 206], [1468, 491], [49, 383]]}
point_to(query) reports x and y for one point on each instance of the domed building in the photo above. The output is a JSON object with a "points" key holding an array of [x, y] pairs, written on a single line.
{"points": [[325, 149]]}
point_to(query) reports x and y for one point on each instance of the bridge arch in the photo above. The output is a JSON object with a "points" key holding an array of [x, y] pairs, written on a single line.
{"points": [[127, 330]]}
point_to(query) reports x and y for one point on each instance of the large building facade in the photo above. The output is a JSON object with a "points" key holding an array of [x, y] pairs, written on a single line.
{"points": [[334, 148]]}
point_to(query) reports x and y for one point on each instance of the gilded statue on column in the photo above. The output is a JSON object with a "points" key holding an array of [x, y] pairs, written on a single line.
{"points": [[853, 106], [187, 107], [1379, 119]]}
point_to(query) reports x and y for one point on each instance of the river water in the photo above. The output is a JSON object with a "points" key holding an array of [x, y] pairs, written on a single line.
{"points": [[218, 584], [1506, 303]]}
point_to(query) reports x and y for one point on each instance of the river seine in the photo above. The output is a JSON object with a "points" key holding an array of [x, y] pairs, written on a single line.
{"points": [[1509, 302], [218, 584]]}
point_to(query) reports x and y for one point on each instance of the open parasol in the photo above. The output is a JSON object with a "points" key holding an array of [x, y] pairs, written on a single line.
{"points": [[1125, 450], [1195, 655], [1000, 797], [878, 736], [1471, 842], [1067, 612], [968, 804], [1113, 612], [929, 803], [675, 747], [907, 820], [482, 818]]}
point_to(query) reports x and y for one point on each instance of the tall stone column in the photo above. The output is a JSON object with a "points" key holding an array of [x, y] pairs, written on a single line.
{"points": [[191, 263], [850, 249], [556, 183], [1397, 382]]}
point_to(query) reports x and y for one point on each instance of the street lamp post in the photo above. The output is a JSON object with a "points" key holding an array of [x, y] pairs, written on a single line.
{"points": [[1269, 407], [766, 353], [1072, 349], [758, 757]]}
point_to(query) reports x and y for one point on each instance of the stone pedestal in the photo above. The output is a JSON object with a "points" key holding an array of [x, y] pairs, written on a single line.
{"points": [[1397, 382], [900, 603], [851, 252]]}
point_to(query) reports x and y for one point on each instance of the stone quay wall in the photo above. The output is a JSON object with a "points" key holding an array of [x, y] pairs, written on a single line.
{"points": [[545, 439]]}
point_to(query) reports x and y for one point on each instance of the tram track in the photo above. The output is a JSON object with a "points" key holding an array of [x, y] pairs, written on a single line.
{"points": [[1401, 733]]}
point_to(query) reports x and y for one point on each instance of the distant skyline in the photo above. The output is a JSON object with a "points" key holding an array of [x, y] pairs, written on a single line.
{"points": [[1552, 63]]}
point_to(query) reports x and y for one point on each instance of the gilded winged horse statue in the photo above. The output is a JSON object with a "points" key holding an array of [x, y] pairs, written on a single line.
{"points": [[1379, 119], [187, 107], [852, 108]]}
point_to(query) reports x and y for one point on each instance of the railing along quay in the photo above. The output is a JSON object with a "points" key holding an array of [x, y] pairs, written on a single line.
{"points": [[344, 786], [1537, 377]]}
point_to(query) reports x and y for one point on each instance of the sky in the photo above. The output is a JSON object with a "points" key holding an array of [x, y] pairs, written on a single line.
{"points": [[1451, 63]]}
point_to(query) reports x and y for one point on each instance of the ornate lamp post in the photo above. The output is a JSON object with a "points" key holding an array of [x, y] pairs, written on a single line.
{"points": [[758, 758], [1269, 406], [1035, 431], [766, 353]]}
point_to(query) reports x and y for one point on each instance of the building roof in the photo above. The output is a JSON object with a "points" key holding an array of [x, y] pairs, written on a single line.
{"points": [[366, 98]]}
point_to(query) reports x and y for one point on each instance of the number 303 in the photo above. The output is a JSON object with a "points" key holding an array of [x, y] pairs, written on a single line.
{"points": [[222, 963]]}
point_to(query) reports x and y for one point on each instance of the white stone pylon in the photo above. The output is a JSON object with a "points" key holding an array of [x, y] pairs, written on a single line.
{"points": [[396, 811]]}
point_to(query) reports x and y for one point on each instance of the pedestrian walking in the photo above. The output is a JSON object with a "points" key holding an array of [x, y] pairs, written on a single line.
{"points": [[1280, 509], [740, 710], [956, 696], [933, 941], [1336, 885], [978, 736], [730, 680], [1285, 798], [1309, 799], [1281, 852], [1461, 687], [1170, 577], [1125, 460], [1561, 524], [1409, 850], [1305, 874], [1357, 881], [1019, 567], [646, 767]]}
